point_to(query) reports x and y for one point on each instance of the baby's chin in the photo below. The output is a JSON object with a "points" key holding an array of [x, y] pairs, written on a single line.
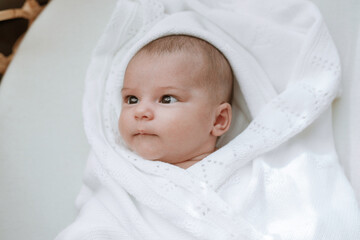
{"points": [[155, 152], [174, 160], [148, 154], [156, 156]]}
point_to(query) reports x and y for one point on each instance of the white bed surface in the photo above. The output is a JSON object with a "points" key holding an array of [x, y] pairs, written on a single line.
{"points": [[42, 143], [343, 20]]}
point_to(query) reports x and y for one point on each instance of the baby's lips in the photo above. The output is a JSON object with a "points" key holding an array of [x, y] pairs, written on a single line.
{"points": [[144, 133]]}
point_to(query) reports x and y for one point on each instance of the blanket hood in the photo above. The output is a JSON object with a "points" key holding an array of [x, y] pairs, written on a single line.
{"points": [[283, 59]]}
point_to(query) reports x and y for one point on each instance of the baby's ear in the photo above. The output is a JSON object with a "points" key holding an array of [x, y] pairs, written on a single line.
{"points": [[222, 120]]}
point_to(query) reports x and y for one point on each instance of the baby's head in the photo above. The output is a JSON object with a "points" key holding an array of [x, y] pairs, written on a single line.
{"points": [[176, 100]]}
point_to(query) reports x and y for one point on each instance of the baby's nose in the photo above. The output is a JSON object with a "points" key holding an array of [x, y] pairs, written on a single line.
{"points": [[144, 112]]}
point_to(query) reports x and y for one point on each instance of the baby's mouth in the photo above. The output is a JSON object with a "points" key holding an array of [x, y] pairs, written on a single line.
{"points": [[143, 133]]}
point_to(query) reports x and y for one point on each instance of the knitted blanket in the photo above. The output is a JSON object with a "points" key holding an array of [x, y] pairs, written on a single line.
{"points": [[276, 173]]}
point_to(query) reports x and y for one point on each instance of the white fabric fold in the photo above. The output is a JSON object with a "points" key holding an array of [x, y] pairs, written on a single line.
{"points": [[276, 174]]}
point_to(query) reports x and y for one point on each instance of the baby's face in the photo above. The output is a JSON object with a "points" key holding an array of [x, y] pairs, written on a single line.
{"points": [[165, 114]]}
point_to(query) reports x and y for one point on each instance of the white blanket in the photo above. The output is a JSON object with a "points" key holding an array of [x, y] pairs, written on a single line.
{"points": [[276, 174]]}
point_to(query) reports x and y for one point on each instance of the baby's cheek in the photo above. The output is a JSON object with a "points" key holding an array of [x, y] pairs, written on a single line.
{"points": [[123, 127], [120, 124], [181, 129]]}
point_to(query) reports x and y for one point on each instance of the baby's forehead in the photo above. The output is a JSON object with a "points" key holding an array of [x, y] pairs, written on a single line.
{"points": [[189, 70], [176, 63], [184, 61]]}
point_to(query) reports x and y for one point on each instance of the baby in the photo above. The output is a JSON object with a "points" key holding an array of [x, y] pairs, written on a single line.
{"points": [[176, 100]]}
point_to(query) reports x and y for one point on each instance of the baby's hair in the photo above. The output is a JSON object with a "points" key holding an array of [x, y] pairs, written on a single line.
{"points": [[219, 76]]}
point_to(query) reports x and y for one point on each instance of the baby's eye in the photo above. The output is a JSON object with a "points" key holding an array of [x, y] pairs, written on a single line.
{"points": [[166, 99], [132, 100]]}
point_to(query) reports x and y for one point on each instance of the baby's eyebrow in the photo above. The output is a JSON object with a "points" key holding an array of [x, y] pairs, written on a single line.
{"points": [[172, 88], [125, 89]]}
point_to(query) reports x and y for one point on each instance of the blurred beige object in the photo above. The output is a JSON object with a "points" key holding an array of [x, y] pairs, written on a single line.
{"points": [[30, 10], [4, 62]]}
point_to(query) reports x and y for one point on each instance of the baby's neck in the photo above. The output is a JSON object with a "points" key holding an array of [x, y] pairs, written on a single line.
{"points": [[188, 163]]}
